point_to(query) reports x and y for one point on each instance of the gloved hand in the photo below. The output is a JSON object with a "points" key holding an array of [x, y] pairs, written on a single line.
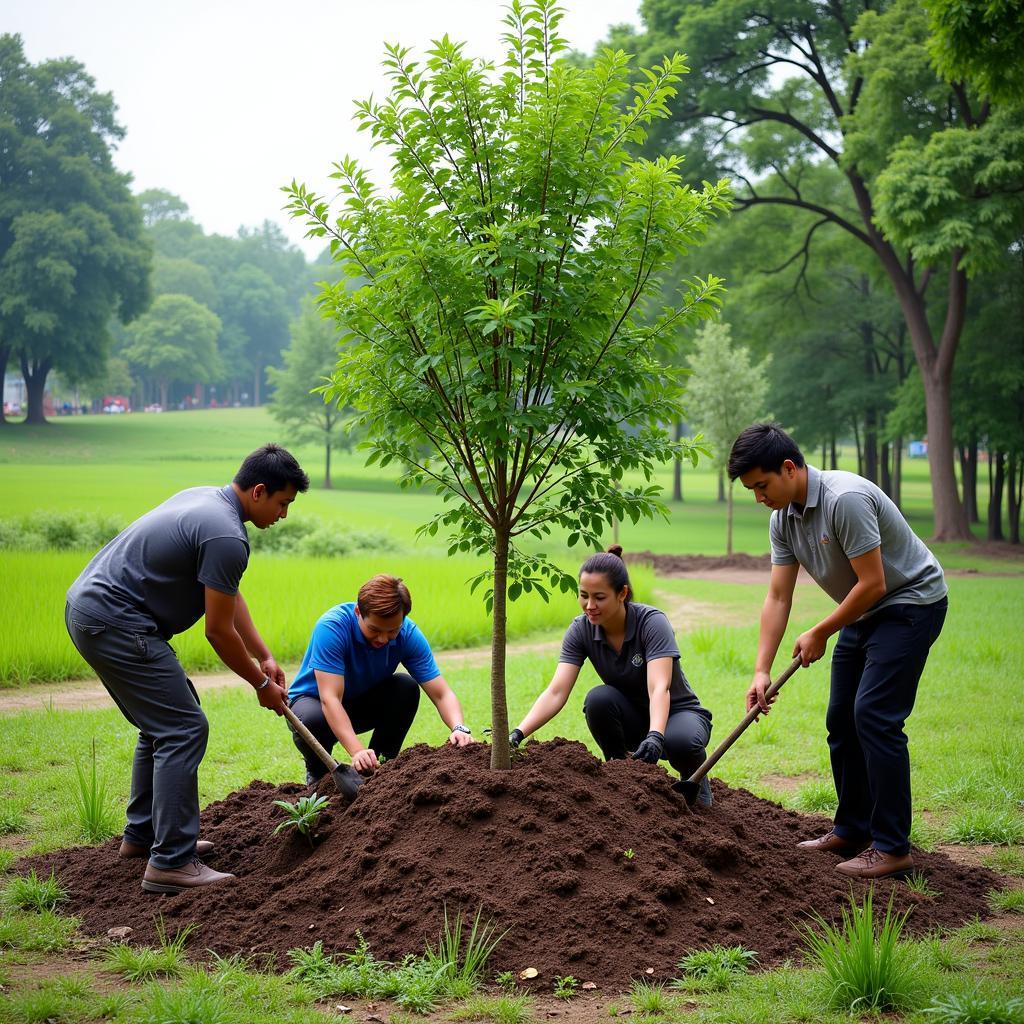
{"points": [[651, 748], [515, 737]]}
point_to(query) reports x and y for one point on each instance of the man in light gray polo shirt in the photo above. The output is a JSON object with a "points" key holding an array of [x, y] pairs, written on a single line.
{"points": [[179, 562], [891, 597]]}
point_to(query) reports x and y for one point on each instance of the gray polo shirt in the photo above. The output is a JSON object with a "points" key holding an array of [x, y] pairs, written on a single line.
{"points": [[648, 636], [152, 576], [846, 516]]}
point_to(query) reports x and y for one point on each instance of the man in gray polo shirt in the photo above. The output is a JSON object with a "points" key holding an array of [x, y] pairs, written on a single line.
{"points": [[179, 562], [891, 597]]}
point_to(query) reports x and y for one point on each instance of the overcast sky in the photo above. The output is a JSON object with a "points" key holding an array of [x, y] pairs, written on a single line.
{"points": [[224, 101]]}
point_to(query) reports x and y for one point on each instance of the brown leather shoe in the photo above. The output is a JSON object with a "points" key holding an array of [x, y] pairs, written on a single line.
{"points": [[175, 880], [832, 843], [129, 850], [874, 863]]}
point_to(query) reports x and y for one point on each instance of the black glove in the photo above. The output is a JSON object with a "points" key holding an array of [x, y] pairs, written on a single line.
{"points": [[651, 748], [515, 737]]}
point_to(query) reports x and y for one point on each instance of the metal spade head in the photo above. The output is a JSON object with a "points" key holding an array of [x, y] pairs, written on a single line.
{"points": [[347, 781], [688, 789]]}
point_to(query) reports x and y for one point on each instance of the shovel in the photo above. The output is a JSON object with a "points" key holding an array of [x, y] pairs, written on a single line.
{"points": [[346, 778], [691, 787]]}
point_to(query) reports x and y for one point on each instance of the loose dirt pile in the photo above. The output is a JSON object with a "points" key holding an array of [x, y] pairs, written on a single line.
{"points": [[543, 849]]}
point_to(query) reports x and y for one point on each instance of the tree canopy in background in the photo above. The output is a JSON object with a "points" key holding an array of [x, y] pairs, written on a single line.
{"points": [[72, 250], [498, 347]]}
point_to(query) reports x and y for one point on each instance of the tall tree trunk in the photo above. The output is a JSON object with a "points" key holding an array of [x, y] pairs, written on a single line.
{"points": [[969, 478], [256, 375], [163, 395], [500, 755], [832, 446], [995, 494], [1014, 472], [35, 375], [677, 467], [327, 466], [867, 335], [728, 520], [883, 459], [5, 354], [860, 453], [721, 485], [897, 472]]}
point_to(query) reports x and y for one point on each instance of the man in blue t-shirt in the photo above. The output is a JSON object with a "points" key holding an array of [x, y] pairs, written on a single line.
{"points": [[348, 683]]}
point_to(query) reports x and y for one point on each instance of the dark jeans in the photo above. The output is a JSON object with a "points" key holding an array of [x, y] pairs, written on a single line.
{"points": [[876, 667], [387, 708], [620, 726], [151, 690]]}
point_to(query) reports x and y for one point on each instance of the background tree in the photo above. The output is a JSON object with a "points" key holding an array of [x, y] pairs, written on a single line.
{"points": [[790, 84], [308, 364], [725, 394], [72, 251], [498, 347], [176, 340]]}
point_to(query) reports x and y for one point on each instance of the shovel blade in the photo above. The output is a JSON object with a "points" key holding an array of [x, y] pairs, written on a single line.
{"points": [[347, 780], [688, 789]]}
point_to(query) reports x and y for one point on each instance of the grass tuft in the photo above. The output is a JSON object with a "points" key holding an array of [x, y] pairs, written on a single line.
{"points": [[505, 1009], [948, 955], [97, 820], [816, 797], [28, 892], [45, 932], [145, 963], [978, 825], [867, 965], [12, 818], [650, 998], [917, 883], [974, 1008], [1007, 901]]}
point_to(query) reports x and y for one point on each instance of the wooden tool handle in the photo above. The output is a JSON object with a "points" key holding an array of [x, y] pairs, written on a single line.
{"points": [[309, 739], [751, 715]]}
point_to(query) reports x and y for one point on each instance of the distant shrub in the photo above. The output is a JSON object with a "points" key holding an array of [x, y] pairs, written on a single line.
{"points": [[59, 531], [312, 538]]}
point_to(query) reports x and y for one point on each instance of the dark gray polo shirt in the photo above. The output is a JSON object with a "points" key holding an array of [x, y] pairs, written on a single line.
{"points": [[648, 636], [846, 516], [152, 576]]}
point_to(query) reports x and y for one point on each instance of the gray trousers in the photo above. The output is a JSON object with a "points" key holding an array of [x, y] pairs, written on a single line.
{"points": [[151, 690]]}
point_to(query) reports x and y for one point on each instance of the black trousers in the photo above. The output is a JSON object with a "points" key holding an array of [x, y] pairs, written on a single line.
{"points": [[387, 708], [876, 667], [619, 726]]}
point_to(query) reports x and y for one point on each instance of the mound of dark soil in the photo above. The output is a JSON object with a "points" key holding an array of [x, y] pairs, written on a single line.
{"points": [[667, 565], [541, 848]]}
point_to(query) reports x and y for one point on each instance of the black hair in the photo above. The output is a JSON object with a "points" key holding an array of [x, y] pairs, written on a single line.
{"points": [[763, 446], [609, 563], [274, 467]]}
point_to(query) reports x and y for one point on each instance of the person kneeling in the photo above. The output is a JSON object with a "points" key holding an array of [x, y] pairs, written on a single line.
{"points": [[644, 702], [347, 683]]}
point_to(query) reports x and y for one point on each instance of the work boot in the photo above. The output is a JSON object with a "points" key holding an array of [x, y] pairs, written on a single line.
{"points": [[311, 779], [174, 880], [129, 849], [873, 863], [704, 797], [830, 842]]}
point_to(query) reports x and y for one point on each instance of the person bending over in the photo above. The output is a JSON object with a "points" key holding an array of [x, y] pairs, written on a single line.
{"points": [[164, 572], [644, 702], [891, 597], [348, 683]]}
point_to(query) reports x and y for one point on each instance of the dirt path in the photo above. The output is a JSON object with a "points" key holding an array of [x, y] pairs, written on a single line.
{"points": [[80, 694]]}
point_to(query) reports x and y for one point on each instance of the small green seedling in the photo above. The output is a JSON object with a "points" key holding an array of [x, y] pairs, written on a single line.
{"points": [[506, 980], [917, 883], [629, 854], [566, 988], [302, 814]]}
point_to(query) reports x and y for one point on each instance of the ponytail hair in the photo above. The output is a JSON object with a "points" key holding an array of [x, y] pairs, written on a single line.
{"points": [[610, 564]]}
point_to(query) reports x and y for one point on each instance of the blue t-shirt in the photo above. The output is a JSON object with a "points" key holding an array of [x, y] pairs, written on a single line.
{"points": [[339, 647]]}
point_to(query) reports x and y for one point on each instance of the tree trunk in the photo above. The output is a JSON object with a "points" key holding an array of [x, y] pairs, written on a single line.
{"points": [[677, 467], [995, 494], [969, 479], [35, 388], [257, 373], [163, 395], [867, 335], [721, 485], [860, 452], [883, 460], [5, 354], [728, 520], [897, 472], [327, 466], [835, 461], [1014, 472], [501, 758]]}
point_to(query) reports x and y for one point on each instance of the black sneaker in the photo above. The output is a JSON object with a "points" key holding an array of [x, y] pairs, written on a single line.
{"points": [[704, 797]]}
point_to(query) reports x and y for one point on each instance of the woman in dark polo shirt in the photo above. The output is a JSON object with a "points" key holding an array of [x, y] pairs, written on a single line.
{"points": [[644, 702]]}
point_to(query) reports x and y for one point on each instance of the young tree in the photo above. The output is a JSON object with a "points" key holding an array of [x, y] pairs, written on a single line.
{"points": [[176, 340], [72, 251], [726, 393], [297, 404], [497, 347]]}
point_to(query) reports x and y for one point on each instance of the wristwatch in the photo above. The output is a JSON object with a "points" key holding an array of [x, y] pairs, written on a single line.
{"points": [[462, 728]]}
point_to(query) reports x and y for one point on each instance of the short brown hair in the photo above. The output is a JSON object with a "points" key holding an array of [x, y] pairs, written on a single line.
{"points": [[385, 596]]}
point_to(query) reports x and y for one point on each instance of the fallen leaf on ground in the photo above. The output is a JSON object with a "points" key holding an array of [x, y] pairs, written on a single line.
{"points": [[589, 986], [119, 933], [528, 972]]}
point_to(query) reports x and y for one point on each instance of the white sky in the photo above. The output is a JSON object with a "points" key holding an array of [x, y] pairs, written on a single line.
{"points": [[224, 101]]}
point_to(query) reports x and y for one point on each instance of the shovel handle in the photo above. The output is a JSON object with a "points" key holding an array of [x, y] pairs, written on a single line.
{"points": [[751, 715], [309, 739]]}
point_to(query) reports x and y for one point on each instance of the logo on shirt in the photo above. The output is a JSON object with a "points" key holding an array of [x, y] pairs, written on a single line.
{"points": [[824, 539], [638, 660]]}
